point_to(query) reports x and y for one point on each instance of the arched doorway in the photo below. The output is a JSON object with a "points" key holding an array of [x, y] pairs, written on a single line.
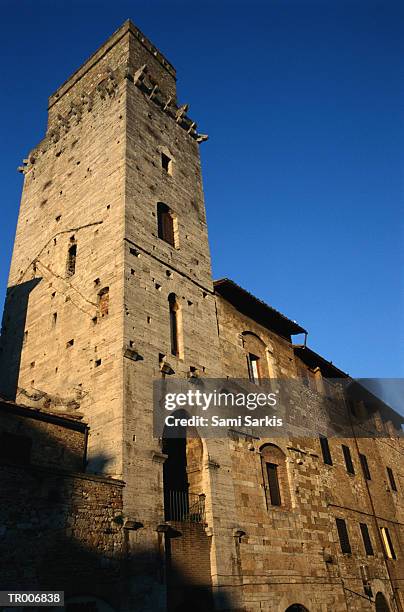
{"points": [[296, 608], [381, 603]]}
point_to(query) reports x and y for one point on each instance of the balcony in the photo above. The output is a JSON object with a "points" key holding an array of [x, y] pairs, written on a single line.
{"points": [[184, 507]]}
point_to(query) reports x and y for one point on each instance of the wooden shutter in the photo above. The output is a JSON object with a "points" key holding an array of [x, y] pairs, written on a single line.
{"points": [[391, 479], [348, 459], [366, 539], [388, 544], [343, 535], [168, 228], [365, 466], [325, 448]]}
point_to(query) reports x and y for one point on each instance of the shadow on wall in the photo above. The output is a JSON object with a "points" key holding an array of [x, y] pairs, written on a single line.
{"points": [[64, 530], [12, 336]]}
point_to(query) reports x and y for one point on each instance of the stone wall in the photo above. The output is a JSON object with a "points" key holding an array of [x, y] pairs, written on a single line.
{"points": [[291, 553]]}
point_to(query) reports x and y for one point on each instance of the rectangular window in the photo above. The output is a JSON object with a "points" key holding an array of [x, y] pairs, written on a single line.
{"points": [[348, 459], [165, 224], [365, 466], [325, 448], [166, 163], [273, 484], [391, 479], [366, 539], [71, 260], [343, 535], [15, 449], [388, 545], [253, 369]]}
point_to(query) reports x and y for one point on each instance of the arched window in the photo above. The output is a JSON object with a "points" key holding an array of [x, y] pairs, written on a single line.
{"points": [[276, 484], [296, 608], [175, 340], [71, 260], [381, 603], [103, 301], [165, 224]]}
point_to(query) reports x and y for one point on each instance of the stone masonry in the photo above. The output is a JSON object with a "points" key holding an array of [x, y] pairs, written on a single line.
{"points": [[111, 255]]}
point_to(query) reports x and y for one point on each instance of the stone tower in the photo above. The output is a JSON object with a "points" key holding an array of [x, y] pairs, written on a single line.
{"points": [[111, 244]]}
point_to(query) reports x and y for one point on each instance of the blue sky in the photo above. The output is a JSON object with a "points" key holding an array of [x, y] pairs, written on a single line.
{"points": [[303, 168]]}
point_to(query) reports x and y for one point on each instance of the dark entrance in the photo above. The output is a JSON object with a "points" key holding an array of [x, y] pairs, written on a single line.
{"points": [[381, 603], [175, 476]]}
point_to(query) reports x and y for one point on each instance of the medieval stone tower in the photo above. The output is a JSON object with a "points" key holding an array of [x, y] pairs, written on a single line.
{"points": [[110, 289], [111, 252]]}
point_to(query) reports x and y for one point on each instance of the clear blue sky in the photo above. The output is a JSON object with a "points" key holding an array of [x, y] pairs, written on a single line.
{"points": [[303, 168]]}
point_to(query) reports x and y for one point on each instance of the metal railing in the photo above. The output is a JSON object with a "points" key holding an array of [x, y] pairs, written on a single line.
{"points": [[185, 507]]}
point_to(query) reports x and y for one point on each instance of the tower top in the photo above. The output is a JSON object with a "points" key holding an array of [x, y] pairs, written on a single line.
{"points": [[128, 47]]}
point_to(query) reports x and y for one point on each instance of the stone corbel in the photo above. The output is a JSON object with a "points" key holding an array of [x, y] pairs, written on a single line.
{"points": [[181, 111], [159, 457], [140, 74], [167, 104], [153, 92]]}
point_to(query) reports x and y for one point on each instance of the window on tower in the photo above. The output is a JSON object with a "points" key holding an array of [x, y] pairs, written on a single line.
{"points": [[71, 260], [166, 163], [165, 224], [103, 301], [174, 324]]}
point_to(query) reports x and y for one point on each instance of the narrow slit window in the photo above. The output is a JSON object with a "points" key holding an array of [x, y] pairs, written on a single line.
{"points": [[325, 449], [388, 544], [273, 484], [174, 324], [367, 542], [71, 260], [365, 466], [103, 301], [343, 535], [253, 368], [348, 459], [392, 480], [165, 224]]}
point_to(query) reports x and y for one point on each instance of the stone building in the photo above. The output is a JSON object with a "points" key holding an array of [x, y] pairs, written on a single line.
{"points": [[110, 288], [60, 528]]}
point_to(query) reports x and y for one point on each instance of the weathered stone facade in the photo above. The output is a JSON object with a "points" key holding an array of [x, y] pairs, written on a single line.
{"points": [[59, 527], [111, 243]]}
